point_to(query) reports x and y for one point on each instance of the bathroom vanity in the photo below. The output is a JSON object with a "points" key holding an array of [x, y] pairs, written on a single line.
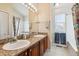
{"points": [[37, 47]]}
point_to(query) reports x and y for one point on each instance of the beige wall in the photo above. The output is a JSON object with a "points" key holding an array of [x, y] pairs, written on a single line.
{"points": [[33, 18], [43, 17], [44, 12], [8, 8], [40, 21]]}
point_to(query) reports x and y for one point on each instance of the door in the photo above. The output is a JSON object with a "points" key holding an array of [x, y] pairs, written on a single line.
{"points": [[60, 29]]}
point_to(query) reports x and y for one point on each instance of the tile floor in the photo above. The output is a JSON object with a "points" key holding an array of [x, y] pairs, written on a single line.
{"points": [[57, 51]]}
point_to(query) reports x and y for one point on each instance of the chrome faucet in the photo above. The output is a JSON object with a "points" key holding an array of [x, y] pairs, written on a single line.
{"points": [[12, 39]]}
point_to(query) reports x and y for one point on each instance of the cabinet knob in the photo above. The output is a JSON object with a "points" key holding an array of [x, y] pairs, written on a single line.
{"points": [[30, 50], [25, 53]]}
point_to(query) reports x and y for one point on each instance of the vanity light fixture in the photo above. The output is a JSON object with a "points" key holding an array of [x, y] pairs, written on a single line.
{"points": [[31, 7]]}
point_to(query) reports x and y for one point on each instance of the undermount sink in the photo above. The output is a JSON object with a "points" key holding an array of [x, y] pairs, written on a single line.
{"points": [[38, 35], [16, 45]]}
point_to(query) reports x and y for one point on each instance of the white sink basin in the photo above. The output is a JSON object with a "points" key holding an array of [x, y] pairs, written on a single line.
{"points": [[16, 45], [38, 35]]}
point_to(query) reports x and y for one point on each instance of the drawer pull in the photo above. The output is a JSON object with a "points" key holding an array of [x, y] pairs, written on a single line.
{"points": [[25, 53], [30, 50]]}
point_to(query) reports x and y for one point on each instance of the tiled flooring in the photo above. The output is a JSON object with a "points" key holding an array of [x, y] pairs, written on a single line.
{"points": [[57, 51]]}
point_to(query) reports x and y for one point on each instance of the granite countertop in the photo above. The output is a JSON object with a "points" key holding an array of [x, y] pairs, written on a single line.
{"points": [[33, 40]]}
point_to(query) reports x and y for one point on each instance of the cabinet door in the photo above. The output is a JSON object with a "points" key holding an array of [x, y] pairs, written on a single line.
{"points": [[46, 43], [42, 47], [34, 50]]}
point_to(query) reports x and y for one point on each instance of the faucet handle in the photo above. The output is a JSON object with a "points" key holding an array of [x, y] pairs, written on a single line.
{"points": [[24, 36]]}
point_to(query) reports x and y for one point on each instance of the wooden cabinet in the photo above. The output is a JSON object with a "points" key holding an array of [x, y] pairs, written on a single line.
{"points": [[38, 49], [34, 50], [42, 47], [46, 43]]}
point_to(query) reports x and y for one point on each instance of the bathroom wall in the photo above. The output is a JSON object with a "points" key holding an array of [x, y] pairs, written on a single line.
{"points": [[41, 19], [44, 17], [33, 18], [52, 23], [12, 12]]}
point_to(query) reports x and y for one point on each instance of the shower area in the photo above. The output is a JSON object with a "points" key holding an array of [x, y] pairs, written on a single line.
{"points": [[60, 29]]}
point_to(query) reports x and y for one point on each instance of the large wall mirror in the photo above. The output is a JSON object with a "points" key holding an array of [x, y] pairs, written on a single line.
{"points": [[14, 21], [4, 24], [20, 26]]}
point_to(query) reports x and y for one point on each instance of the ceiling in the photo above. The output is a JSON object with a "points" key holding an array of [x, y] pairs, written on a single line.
{"points": [[60, 8], [63, 8], [20, 8]]}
